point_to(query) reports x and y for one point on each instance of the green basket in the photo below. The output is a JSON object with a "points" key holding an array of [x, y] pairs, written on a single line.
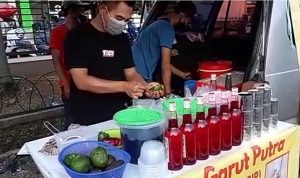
{"points": [[137, 117], [179, 106]]}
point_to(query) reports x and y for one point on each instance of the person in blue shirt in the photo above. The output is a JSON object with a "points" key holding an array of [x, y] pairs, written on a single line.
{"points": [[152, 49]]}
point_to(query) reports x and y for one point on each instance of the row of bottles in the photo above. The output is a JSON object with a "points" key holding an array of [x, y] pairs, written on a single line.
{"points": [[208, 134]]}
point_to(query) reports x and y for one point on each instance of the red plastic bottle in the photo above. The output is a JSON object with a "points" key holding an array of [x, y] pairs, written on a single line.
{"points": [[214, 135], [224, 108], [173, 140], [226, 132], [202, 132], [189, 135], [237, 123], [212, 109]]}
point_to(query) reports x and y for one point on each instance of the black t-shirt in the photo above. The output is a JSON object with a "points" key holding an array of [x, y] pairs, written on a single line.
{"points": [[105, 57]]}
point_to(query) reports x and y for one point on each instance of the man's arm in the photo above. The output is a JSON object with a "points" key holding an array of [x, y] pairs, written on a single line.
{"points": [[59, 69], [166, 69], [132, 75], [85, 82], [179, 73]]}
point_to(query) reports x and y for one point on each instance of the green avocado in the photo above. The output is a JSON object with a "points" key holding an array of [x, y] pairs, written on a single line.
{"points": [[156, 88], [68, 159], [99, 157], [114, 165], [78, 163]]}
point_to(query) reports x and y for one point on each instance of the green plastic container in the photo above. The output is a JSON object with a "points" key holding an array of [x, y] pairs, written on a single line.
{"points": [[138, 125]]}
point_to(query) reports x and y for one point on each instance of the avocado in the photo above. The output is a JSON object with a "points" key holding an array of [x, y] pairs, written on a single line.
{"points": [[99, 157], [80, 163], [102, 136], [68, 159], [114, 165], [156, 88], [111, 160]]}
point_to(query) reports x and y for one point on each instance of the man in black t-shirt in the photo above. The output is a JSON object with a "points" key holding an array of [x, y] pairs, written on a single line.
{"points": [[99, 59]]}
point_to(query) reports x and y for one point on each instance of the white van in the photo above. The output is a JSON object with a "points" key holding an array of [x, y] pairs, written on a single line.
{"points": [[257, 36]]}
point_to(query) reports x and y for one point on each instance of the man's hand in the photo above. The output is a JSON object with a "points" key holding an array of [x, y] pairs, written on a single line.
{"points": [[151, 91], [66, 89], [186, 75], [134, 89]]}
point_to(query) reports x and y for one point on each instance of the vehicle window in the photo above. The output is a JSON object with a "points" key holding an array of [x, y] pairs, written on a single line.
{"points": [[235, 19]]}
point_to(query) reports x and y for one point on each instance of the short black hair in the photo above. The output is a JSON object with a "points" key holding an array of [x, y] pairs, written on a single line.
{"points": [[129, 3], [186, 7]]}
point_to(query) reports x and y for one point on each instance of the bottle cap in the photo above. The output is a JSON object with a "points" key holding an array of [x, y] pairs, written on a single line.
{"points": [[186, 103], [172, 106], [213, 77]]}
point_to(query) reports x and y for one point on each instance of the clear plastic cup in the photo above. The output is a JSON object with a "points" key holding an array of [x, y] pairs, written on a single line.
{"points": [[152, 153]]}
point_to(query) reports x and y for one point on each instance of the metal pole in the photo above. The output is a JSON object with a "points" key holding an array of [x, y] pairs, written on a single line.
{"points": [[5, 76]]}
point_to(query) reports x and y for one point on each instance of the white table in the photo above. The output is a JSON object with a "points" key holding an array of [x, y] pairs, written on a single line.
{"points": [[51, 168]]}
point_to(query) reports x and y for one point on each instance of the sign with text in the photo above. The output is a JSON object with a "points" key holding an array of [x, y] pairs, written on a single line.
{"points": [[273, 157]]}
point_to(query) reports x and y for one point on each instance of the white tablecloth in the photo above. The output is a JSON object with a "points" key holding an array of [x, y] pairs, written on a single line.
{"points": [[51, 168]]}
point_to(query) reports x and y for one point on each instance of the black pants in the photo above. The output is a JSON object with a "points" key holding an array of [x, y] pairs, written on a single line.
{"points": [[67, 111]]}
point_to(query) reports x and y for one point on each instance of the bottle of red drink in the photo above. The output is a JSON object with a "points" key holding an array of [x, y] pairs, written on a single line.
{"points": [[173, 140], [214, 135], [189, 135], [234, 104], [212, 108], [226, 131], [224, 108], [237, 123], [202, 132]]}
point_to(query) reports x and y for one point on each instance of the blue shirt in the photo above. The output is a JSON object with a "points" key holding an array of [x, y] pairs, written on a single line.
{"points": [[147, 48]]}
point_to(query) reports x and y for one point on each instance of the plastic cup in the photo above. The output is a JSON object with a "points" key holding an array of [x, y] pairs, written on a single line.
{"points": [[152, 153]]}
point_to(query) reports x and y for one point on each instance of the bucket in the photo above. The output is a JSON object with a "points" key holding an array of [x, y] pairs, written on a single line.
{"points": [[206, 68], [138, 125]]}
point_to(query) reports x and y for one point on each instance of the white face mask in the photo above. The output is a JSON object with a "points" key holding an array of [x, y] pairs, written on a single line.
{"points": [[114, 26]]}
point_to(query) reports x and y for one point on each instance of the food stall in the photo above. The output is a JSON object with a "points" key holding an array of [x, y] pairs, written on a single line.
{"points": [[167, 139], [252, 159]]}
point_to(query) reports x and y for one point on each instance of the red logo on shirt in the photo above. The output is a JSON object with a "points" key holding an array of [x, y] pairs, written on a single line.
{"points": [[108, 53]]}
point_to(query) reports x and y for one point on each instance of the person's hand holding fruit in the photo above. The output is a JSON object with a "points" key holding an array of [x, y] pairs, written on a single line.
{"points": [[154, 90]]}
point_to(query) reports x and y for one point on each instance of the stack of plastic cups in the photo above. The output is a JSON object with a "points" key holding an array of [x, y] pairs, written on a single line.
{"points": [[274, 112], [153, 161], [247, 113], [257, 111], [267, 107]]}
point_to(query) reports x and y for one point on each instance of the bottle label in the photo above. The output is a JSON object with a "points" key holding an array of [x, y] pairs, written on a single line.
{"points": [[183, 146], [200, 100], [234, 91], [172, 107], [166, 143], [186, 104]]}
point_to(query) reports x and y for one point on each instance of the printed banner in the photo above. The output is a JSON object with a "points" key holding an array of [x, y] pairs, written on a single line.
{"points": [[276, 157]]}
